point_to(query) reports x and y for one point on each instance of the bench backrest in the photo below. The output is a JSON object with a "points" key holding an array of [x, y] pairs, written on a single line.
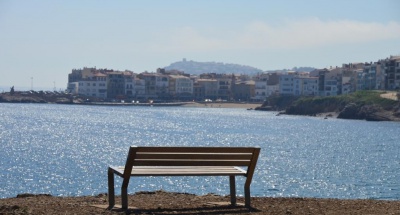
{"points": [[192, 156]]}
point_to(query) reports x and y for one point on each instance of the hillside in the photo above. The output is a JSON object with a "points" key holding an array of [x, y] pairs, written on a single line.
{"points": [[196, 68]]}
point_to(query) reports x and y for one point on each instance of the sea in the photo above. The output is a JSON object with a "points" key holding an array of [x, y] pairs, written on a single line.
{"points": [[64, 150]]}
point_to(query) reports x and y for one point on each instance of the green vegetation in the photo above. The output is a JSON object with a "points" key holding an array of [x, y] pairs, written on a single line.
{"points": [[315, 105], [370, 98]]}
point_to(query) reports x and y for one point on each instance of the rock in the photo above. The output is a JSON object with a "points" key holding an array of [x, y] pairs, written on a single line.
{"points": [[25, 195], [367, 112], [350, 111], [264, 108]]}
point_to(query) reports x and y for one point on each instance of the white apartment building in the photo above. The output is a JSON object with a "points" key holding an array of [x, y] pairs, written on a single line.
{"points": [[308, 86], [139, 88], [260, 89], [181, 84], [272, 89], [298, 85], [95, 86], [286, 84], [265, 86]]}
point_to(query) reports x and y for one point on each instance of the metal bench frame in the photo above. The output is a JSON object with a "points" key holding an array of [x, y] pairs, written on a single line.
{"points": [[185, 161]]}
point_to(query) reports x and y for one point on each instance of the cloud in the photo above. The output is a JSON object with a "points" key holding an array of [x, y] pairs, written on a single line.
{"points": [[289, 35]]}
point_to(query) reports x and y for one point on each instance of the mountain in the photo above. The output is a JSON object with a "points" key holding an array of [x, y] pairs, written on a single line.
{"points": [[196, 68]]}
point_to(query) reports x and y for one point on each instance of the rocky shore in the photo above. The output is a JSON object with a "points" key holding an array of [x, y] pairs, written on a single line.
{"points": [[36, 97], [372, 106], [363, 105], [161, 202]]}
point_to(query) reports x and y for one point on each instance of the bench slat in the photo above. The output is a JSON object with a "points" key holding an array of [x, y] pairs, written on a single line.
{"points": [[187, 162], [196, 149], [214, 156]]}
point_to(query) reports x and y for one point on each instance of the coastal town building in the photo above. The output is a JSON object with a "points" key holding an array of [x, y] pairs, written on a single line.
{"points": [[298, 84], [181, 87], [205, 89], [391, 69], [260, 87], [286, 84], [266, 84], [94, 86], [306, 86], [243, 90], [225, 83]]}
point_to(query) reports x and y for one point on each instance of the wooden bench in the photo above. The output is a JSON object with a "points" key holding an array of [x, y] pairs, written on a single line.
{"points": [[185, 161]]}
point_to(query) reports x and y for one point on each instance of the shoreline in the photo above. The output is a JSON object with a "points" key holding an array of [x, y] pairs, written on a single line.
{"points": [[162, 202], [222, 105]]}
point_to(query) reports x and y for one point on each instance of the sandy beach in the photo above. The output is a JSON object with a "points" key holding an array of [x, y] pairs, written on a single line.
{"points": [[390, 95], [161, 202], [223, 105]]}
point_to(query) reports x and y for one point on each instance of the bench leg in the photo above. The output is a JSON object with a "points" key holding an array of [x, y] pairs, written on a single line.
{"points": [[247, 195], [111, 192], [124, 194], [233, 189]]}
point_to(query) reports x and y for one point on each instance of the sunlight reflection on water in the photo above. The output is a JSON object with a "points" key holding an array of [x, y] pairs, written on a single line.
{"points": [[65, 150]]}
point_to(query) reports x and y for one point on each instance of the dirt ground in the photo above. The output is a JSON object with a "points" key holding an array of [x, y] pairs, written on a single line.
{"points": [[161, 202]]}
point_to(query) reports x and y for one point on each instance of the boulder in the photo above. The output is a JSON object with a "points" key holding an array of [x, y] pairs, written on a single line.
{"points": [[350, 111]]}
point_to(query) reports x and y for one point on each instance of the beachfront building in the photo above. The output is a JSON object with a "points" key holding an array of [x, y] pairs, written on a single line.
{"points": [[180, 87], [265, 85], [92, 86], [306, 86], [347, 82], [272, 84], [298, 84], [329, 81], [115, 85], [260, 87], [134, 87], [162, 86], [350, 78], [391, 70], [225, 83], [370, 76], [139, 89], [205, 89], [333, 82], [243, 90], [149, 83], [286, 83]]}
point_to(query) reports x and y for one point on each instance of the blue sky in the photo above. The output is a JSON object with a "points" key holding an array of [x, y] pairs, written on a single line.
{"points": [[46, 39]]}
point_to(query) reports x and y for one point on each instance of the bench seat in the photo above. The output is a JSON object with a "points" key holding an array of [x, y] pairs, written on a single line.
{"points": [[181, 171]]}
